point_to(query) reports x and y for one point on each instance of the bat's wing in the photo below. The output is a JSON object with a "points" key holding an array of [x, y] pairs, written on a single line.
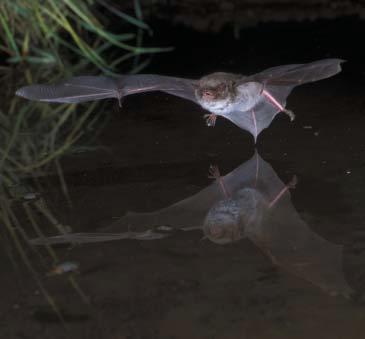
{"points": [[297, 74], [188, 213], [90, 88], [181, 87], [74, 90], [191, 212], [86, 238], [288, 241], [277, 83], [267, 181]]}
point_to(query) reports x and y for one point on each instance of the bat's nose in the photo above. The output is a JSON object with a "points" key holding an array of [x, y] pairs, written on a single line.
{"points": [[208, 95], [215, 231]]}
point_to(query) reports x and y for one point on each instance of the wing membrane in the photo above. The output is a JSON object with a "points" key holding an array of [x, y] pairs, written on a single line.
{"points": [[74, 90], [278, 82], [297, 74], [91, 88], [184, 88]]}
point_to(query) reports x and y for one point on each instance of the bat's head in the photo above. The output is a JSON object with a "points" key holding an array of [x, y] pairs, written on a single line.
{"points": [[221, 224], [215, 91], [232, 219]]}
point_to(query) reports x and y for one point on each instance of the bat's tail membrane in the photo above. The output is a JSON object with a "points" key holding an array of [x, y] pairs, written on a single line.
{"points": [[74, 90]]}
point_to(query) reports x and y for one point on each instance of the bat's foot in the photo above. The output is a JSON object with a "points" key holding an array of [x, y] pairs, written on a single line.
{"points": [[293, 182], [120, 98], [210, 119], [214, 172], [289, 113], [278, 104]]}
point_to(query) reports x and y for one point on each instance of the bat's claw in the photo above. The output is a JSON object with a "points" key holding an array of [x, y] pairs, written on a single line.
{"points": [[214, 172], [293, 182], [210, 119], [289, 113]]}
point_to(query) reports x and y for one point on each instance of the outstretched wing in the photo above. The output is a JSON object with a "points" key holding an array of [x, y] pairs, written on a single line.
{"points": [[186, 214], [86, 238], [277, 84], [74, 90], [191, 212], [290, 243], [297, 74], [90, 88], [181, 87]]}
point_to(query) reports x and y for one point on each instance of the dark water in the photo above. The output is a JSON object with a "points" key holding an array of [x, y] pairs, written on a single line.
{"points": [[296, 267]]}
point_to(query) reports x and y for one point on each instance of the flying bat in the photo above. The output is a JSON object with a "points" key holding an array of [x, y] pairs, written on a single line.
{"points": [[249, 202], [250, 102]]}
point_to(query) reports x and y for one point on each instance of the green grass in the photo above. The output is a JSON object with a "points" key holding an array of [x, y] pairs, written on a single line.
{"points": [[33, 138], [52, 39], [58, 32]]}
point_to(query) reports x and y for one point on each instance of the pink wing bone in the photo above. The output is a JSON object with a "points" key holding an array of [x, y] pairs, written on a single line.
{"points": [[253, 116], [290, 185], [277, 104]]}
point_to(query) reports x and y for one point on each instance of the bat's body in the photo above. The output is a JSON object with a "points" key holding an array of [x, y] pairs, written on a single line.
{"points": [[251, 102]]}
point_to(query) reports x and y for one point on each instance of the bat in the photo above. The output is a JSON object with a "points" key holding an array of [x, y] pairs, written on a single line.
{"points": [[250, 102], [249, 202]]}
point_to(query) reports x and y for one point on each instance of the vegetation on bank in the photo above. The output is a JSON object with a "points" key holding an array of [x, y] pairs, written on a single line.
{"points": [[52, 39]]}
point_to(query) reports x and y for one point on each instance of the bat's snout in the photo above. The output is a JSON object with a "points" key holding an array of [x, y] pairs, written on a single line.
{"points": [[208, 95]]}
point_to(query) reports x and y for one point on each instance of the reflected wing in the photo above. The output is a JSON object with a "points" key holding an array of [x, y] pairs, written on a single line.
{"points": [[191, 212], [277, 83], [267, 181], [187, 213], [90, 88], [288, 241], [85, 238]]}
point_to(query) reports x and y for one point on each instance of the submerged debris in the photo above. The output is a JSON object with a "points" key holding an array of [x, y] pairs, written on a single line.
{"points": [[65, 267]]}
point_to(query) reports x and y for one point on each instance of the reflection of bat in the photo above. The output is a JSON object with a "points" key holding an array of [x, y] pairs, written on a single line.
{"points": [[251, 202], [251, 102]]}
